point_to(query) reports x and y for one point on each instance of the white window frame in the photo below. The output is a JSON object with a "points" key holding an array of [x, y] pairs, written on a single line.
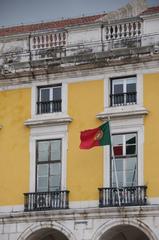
{"points": [[122, 126], [51, 92], [34, 98], [124, 154], [47, 133], [48, 163], [107, 90]]}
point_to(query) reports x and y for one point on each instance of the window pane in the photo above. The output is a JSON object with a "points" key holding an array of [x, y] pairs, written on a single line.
{"points": [[119, 179], [55, 169], [43, 151], [57, 93], [130, 144], [117, 139], [117, 145], [130, 138], [118, 88], [55, 182], [45, 95], [131, 87], [131, 163], [118, 150], [131, 171], [130, 149], [55, 150], [42, 170]]}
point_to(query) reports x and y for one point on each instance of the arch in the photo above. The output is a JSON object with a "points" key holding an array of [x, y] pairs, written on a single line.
{"points": [[41, 226], [124, 222]]}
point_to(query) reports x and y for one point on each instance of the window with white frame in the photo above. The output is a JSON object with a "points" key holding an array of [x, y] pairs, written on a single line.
{"points": [[48, 165], [123, 91], [124, 164], [49, 99]]}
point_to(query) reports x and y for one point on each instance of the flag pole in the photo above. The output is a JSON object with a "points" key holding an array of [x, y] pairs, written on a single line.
{"points": [[114, 164]]}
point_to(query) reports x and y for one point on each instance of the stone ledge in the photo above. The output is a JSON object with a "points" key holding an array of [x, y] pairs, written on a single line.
{"points": [[118, 112], [50, 120]]}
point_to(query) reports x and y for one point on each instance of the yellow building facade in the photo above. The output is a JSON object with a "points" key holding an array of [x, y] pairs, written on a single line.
{"points": [[50, 92]]}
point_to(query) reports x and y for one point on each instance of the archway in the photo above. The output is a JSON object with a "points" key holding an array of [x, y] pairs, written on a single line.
{"points": [[124, 229], [47, 234], [47, 231], [124, 232]]}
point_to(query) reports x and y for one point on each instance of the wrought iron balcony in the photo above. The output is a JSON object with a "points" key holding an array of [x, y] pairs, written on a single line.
{"points": [[123, 99], [129, 196], [40, 201], [49, 106]]}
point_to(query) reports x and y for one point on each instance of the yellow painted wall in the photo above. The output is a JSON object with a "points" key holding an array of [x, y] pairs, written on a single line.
{"points": [[84, 167], [151, 144], [14, 145]]}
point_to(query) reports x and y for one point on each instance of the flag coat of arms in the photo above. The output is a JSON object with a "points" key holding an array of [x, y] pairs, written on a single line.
{"points": [[99, 136]]}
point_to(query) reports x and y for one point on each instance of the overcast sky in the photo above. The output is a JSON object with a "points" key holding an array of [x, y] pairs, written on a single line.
{"points": [[15, 12]]}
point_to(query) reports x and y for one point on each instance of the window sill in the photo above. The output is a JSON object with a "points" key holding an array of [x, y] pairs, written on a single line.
{"points": [[48, 119], [122, 111]]}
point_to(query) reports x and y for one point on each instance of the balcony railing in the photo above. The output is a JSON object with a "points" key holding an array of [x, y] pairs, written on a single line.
{"points": [[40, 201], [50, 40], [49, 106], [123, 99], [129, 196]]}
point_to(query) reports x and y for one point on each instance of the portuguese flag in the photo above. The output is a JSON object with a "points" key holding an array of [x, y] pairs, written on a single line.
{"points": [[95, 137]]}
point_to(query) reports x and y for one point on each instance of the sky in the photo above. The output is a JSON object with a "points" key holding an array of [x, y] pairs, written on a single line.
{"points": [[16, 12]]}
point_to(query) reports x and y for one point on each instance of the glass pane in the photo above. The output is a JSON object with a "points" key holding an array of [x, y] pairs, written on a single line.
{"points": [[55, 150], [118, 150], [131, 163], [119, 164], [55, 169], [130, 144], [131, 178], [43, 151], [130, 138], [45, 95], [42, 170], [117, 142], [131, 171], [42, 184], [130, 149], [117, 139], [118, 88], [131, 87], [119, 179], [57, 93], [55, 181]]}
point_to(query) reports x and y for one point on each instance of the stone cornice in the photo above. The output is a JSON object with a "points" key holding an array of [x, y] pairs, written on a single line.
{"points": [[118, 112], [78, 214], [51, 119]]}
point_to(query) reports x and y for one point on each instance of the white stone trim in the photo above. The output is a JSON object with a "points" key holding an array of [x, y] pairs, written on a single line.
{"points": [[47, 225], [35, 93], [42, 133], [123, 111], [50, 119], [83, 204], [125, 126], [154, 200], [10, 209], [128, 110], [88, 75]]}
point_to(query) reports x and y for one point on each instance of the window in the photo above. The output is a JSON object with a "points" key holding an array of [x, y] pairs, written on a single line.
{"points": [[48, 165], [124, 163], [49, 99], [123, 91]]}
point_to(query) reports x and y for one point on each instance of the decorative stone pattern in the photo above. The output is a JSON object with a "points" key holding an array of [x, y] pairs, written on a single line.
{"points": [[84, 224]]}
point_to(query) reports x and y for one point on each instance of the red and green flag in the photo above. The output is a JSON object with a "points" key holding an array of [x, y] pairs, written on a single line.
{"points": [[99, 136]]}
